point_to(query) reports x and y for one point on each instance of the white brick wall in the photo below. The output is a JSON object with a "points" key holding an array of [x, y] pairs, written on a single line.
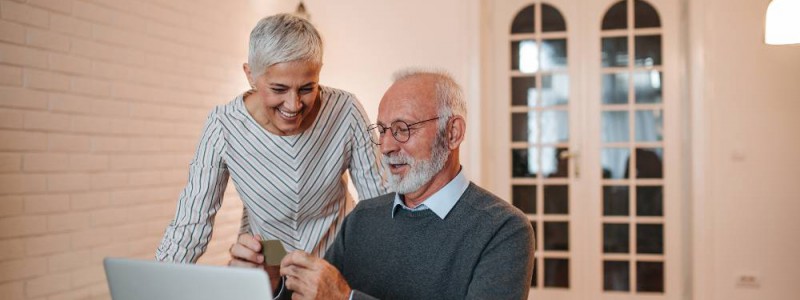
{"points": [[101, 103]]}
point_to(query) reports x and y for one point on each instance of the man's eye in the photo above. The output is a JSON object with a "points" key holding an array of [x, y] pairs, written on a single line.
{"points": [[306, 90]]}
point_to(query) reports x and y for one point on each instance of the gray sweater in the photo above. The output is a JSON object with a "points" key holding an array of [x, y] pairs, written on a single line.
{"points": [[483, 249]]}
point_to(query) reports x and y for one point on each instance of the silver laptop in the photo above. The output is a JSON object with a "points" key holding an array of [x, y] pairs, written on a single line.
{"points": [[130, 279]]}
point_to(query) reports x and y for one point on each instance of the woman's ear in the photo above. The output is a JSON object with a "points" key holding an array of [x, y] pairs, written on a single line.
{"points": [[246, 69], [456, 129]]}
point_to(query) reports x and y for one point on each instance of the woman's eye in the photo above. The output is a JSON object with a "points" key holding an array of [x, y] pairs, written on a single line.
{"points": [[279, 91], [306, 90]]}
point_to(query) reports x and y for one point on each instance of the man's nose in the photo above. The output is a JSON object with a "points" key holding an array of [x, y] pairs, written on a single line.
{"points": [[388, 143]]}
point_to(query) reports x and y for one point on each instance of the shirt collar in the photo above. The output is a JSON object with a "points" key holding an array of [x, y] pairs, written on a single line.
{"points": [[440, 202]]}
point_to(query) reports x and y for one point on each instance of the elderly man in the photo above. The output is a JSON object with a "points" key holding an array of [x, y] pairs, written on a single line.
{"points": [[439, 236]]}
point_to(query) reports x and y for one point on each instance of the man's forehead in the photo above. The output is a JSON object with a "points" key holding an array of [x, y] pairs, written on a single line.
{"points": [[405, 109]]}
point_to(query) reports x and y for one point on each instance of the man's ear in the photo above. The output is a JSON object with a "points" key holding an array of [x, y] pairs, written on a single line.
{"points": [[246, 69], [456, 129]]}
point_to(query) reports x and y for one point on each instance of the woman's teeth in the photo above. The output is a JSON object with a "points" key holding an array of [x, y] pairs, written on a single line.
{"points": [[288, 114]]}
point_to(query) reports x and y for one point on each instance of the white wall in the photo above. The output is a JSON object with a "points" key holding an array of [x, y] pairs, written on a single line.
{"points": [[746, 200]]}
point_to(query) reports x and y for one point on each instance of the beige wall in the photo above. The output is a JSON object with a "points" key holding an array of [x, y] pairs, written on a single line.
{"points": [[746, 203], [101, 103]]}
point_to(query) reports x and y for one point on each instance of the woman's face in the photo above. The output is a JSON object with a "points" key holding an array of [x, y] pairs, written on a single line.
{"points": [[286, 96]]}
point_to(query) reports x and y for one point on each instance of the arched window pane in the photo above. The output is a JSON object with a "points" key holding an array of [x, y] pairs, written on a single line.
{"points": [[615, 52], [552, 19], [645, 16], [648, 50], [616, 17], [554, 54], [523, 91], [524, 21]]}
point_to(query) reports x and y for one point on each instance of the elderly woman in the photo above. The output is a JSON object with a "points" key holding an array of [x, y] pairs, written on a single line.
{"points": [[286, 143]]}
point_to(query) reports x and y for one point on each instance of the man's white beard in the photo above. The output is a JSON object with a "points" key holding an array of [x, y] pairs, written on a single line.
{"points": [[420, 172]]}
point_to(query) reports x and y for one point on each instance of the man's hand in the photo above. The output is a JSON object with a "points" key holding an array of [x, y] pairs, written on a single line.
{"points": [[246, 253], [311, 277]]}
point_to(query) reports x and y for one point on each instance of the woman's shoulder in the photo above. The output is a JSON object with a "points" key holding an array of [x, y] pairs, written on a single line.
{"points": [[337, 95], [343, 100], [230, 110]]}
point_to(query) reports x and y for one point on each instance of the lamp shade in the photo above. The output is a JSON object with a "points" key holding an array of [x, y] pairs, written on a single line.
{"points": [[783, 22]]}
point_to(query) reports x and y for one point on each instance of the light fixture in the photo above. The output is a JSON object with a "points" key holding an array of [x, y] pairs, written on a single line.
{"points": [[301, 11], [783, 22]]}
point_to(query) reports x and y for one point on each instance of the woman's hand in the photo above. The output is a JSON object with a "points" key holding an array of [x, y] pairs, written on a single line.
{"points": [[246, 253]]}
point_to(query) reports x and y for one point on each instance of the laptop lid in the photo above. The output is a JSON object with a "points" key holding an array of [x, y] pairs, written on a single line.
{"points": [[130, 279]]}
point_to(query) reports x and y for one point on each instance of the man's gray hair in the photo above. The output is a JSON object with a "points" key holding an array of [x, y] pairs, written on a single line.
{"points": [[282, 38], [449, 95]]}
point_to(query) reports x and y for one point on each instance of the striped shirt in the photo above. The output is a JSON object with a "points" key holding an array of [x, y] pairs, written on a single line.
{"points": [[292, 187]]}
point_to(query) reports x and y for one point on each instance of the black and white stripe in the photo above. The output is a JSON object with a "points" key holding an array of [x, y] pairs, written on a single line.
{"points": [[292, 187]]}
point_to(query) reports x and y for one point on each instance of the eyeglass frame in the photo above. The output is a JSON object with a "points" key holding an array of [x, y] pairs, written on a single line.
{"points": [[382, 130]]}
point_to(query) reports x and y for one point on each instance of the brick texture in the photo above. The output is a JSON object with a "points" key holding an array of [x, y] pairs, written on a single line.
{"points": [[101, 106]]}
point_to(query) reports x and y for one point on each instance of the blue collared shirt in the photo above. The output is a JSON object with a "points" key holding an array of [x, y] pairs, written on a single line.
{"points": [[440, 202]]}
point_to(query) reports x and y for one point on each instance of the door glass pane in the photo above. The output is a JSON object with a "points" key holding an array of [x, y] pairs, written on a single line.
{"points": [[615, 162], [615, 51], [523, 91], [524, 56], [523, 162], [555, 126], [616, 275], [650, 238], [555, 89], [649, 125], [645, 16], [556, 272], [615, 88], [649, 276], [616, 16], [615, 127], [524, 21], [649, 163], [616, 200], [524, 127], [647, 86], [556, 199], [648, 50], [554, 54], [524, 198], [553, 165], [649, 201], [552, 19], [616, 238], [556, 236]]}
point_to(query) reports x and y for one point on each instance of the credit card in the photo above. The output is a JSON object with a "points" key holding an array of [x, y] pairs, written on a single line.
{"points": [[273, 252]]}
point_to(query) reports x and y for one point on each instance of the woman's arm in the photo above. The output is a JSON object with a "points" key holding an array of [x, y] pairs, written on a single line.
{"points": [[365, 168], [187, 236]]}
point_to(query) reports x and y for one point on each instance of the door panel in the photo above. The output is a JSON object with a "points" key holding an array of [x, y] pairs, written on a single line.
{"points": [[588, 90]]}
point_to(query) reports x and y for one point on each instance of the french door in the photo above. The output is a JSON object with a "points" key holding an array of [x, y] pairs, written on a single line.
{"points": [[589, 142]]}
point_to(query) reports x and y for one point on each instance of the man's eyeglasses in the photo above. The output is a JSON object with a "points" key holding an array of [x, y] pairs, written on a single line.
{"points": [[401, 131]]}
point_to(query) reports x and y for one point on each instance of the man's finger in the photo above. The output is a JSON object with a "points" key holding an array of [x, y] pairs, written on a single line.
{"points": [[298, 258]]}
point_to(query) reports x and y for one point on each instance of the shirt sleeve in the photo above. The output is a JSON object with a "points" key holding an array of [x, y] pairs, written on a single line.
{"points": [[365, 169], [187, 236], [506, 265]]}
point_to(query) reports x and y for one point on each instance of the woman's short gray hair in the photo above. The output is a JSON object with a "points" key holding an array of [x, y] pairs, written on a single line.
{"points": [[449, 95], [282, 38]]}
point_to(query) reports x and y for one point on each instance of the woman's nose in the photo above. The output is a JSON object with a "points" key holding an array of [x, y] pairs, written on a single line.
{"points": [[293, 103]]}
